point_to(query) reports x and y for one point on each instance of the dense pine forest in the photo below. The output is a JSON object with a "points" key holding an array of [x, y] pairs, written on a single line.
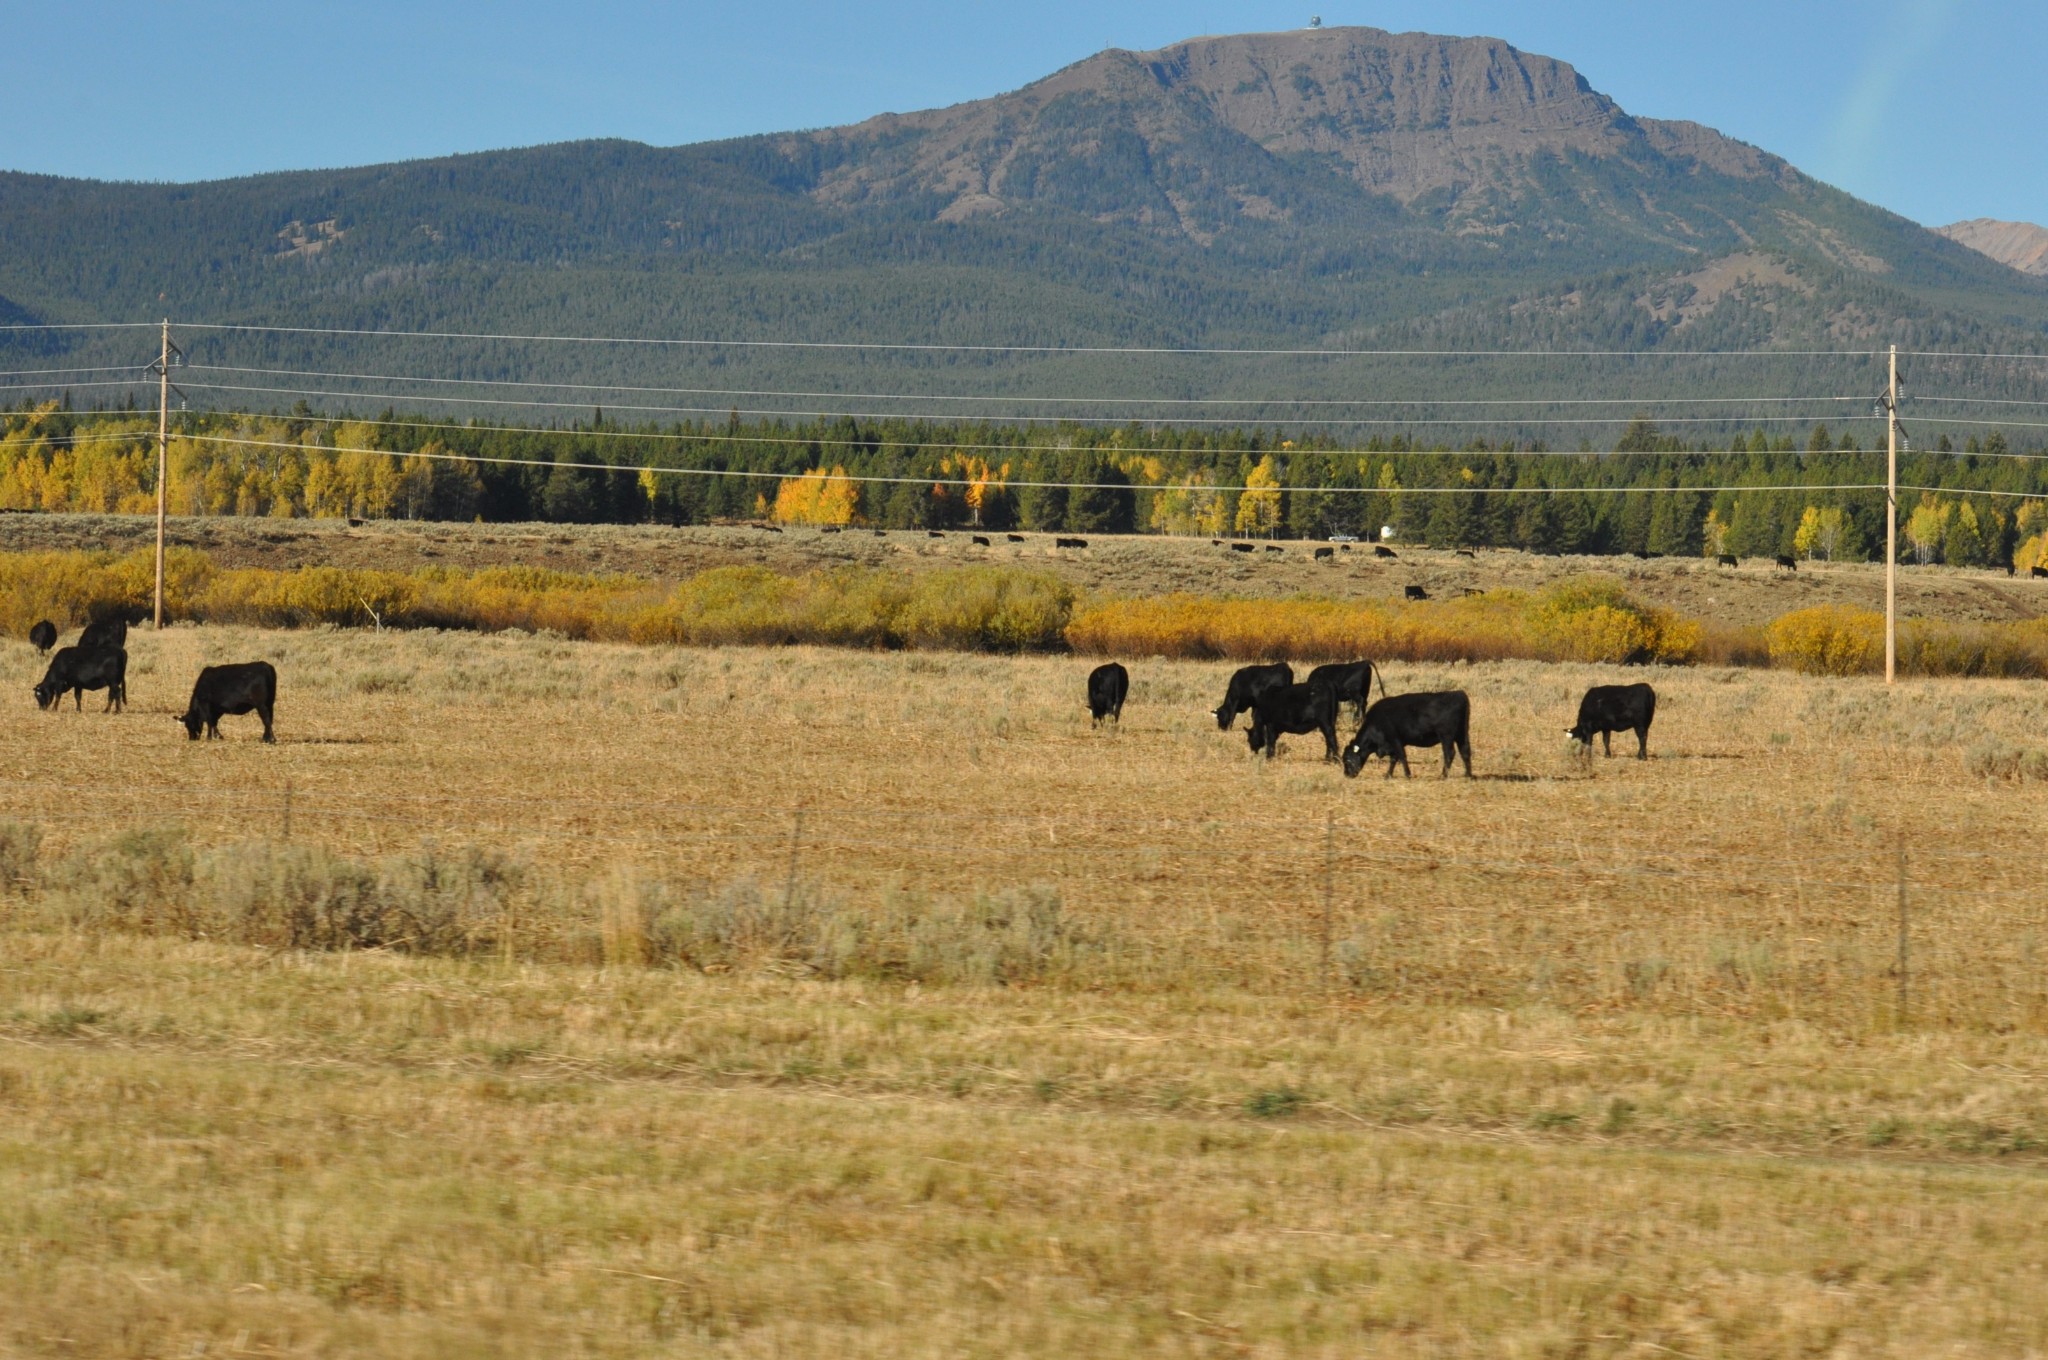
{"points": [[1752, 495]]}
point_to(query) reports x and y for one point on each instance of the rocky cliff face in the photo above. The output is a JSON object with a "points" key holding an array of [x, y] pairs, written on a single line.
{"points": [[2020, 245], [1461, 126]]}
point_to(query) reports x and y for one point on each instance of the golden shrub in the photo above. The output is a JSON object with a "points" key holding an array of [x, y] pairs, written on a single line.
{"points": [[1828, 639]]}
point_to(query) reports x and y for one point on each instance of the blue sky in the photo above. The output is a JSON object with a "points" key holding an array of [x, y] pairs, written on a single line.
{"points": [[1933, 108]]}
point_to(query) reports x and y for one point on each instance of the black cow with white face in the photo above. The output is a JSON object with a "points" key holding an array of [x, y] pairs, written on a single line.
{"points": [[1248, 684], [1107, 686], [1298, 709], [245, 687], [75, 670], [1392, 725], [1608, 709]]}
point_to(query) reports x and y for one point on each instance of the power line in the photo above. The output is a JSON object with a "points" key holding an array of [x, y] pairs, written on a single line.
{"points": [[1041, 349], [941, 396], [1972, 491], [1464, 421], [1011, 485], [31, 372], [81, 326]]}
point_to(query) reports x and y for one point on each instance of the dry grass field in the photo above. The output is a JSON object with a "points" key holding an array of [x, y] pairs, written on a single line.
{"points": [[750, 1002], [1146, 565]]}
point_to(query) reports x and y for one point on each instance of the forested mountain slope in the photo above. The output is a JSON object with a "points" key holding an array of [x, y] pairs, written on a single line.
{"points": [[1334, 187]]}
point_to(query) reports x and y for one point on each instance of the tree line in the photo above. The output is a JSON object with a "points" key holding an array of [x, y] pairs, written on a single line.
{"points": [[1756, 494]]}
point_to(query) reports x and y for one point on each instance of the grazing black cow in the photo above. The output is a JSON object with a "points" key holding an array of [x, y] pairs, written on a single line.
{"points": [[43, 637], [1345, 546], [768, 528], [1466, 552], [881, 533], [1322, 553], [102, 634], [980, 542], [2037, 571], [1215, 542], [1248, 684], [1469, 591], [1243, 547], [1786, 564], [250, 686], [1070, 542], [1726, 560], [1294, 708], [1608, 709], [78, 669], [1640, 556], [1350, 681], [935, 533], [829, 529], [1107, 686], [1378, 551], [1414, 593], [1393, 725], [1014, 538]]}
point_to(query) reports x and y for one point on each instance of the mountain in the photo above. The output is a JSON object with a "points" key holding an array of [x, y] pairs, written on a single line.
{"points": [[2022, 245], [1324, 188]]}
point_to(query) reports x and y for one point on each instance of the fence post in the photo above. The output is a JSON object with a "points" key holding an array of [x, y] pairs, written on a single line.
{"points": [[1904, 995], [796, 840], [1329, 877]]}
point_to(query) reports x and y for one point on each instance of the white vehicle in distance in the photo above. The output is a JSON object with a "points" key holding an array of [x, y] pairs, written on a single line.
{"points": [[1343, 538]]}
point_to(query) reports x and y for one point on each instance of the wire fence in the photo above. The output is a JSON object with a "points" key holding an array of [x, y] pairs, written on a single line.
{"points": [[1799, 927]]}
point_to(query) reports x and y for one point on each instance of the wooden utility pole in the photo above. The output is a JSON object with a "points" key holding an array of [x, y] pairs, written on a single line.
{"points": [[162, 369], [1891, 521]]}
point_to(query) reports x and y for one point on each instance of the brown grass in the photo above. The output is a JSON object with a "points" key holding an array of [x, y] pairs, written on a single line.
{"points": [[1026, 1039]]}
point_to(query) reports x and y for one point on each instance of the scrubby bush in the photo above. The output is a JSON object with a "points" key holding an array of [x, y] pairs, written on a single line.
{"points": [[1594, 618], [1828, 639]]}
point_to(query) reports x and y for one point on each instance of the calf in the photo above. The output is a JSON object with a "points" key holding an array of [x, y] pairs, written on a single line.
{"points": [[1378, 551], [43, 637], [1786, 564], [1322, 553], [1414, 593], [829, 529], [1466, 552], [1248, 684], [78, 669], [1608, 709], [980, 542], [1107, 686], [1725, 560], [1242, 547], [1393, 725], [1070, 542], [1274, 547], [1294, 708], [2037, 571], [1351, 681], [935, 533], [250, 686], [1014, 538]]}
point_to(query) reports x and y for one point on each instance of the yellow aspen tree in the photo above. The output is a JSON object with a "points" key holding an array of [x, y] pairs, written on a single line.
{"points": [[1258, 508]]}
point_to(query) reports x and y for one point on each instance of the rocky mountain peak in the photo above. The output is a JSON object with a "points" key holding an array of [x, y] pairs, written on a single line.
{"points": [[2019, 245]]}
